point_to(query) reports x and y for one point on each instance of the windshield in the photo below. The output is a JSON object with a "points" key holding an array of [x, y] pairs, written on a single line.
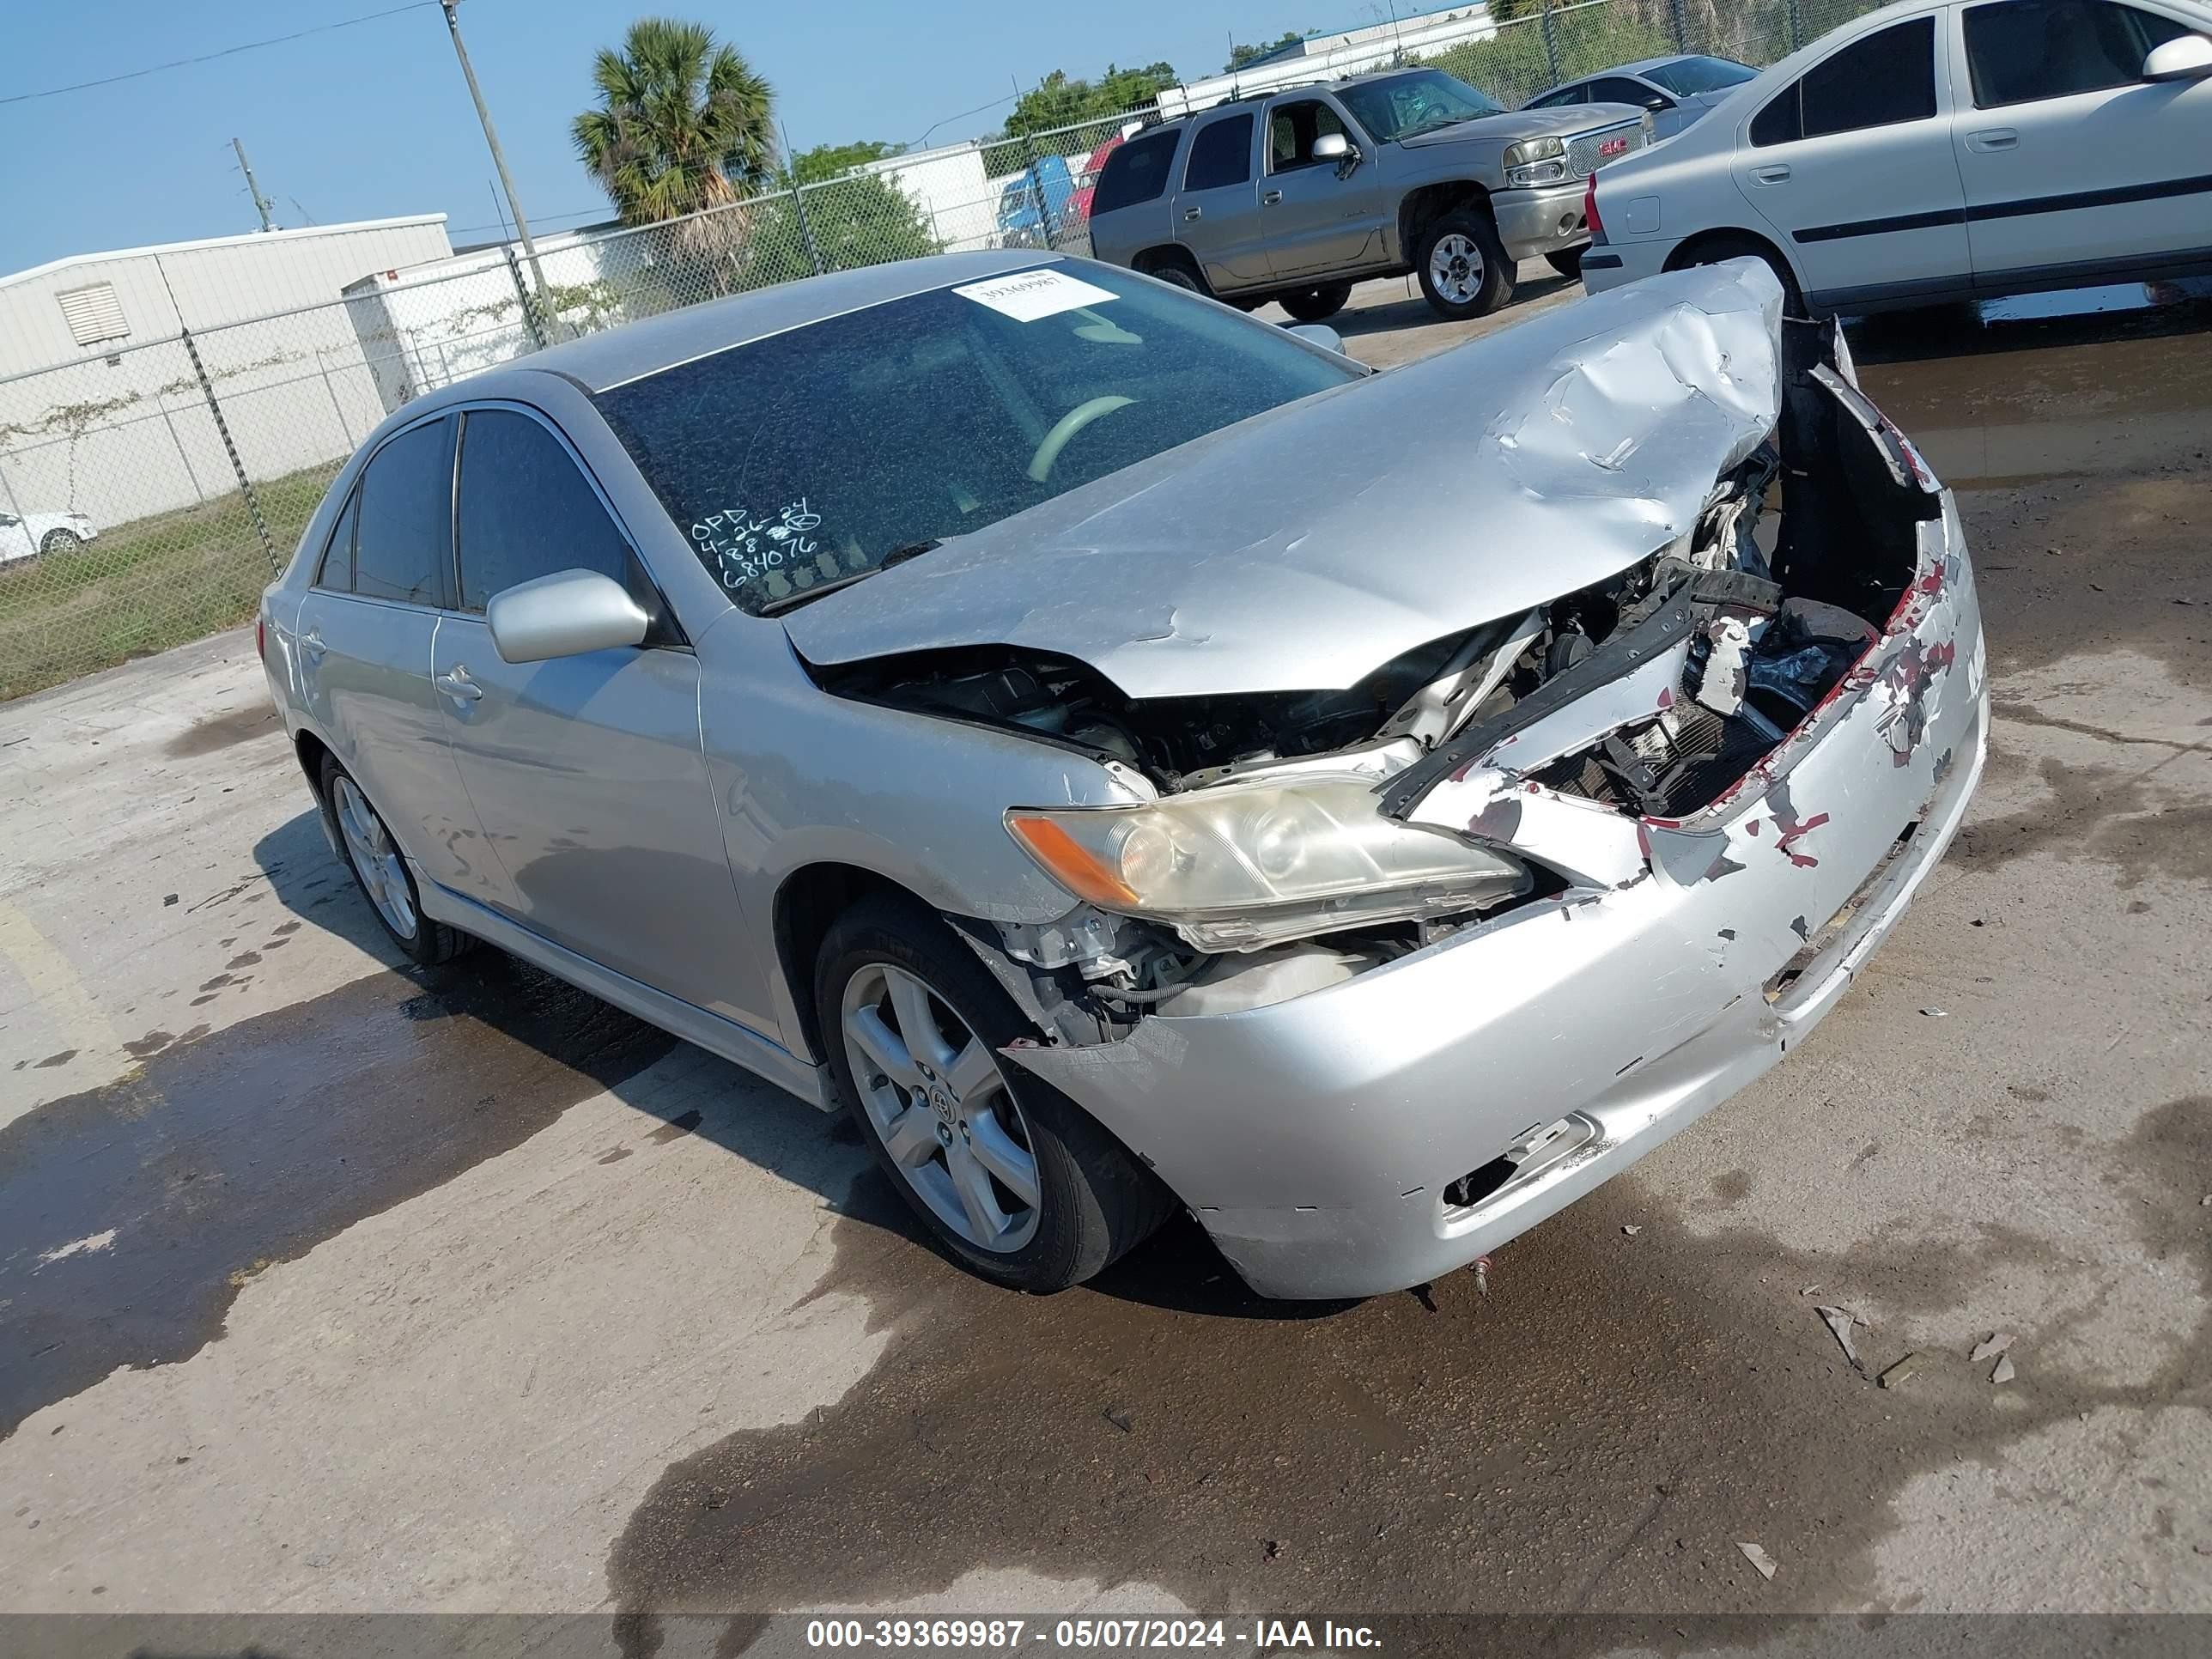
{"points": [[807, 458], [1686, 77], [1404, 105]]}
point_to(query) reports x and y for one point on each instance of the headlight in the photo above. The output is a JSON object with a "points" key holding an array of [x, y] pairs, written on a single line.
{"points": [[1244, 865], [1534, 161]]}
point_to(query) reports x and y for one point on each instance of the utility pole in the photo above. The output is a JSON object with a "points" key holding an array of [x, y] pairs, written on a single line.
{"points": [[498, 156], [260, 202]]}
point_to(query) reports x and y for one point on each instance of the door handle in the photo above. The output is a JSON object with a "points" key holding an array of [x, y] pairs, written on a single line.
{"points": [[1271, 198], [1772, 175], [1190, 213], [312, 647], [1991, 138], [457, 685]]}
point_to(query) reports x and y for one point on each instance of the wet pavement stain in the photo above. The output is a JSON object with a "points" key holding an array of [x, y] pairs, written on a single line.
{"points": [[220, 1158], [2101, 812], [1596, 1435], [223, 731]]}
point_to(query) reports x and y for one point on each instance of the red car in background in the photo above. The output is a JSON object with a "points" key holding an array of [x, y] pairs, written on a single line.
{"points": [[1078, 211]]}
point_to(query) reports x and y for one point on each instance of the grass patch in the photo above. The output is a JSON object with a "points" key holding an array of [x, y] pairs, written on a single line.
{"points": [[146, 586]]}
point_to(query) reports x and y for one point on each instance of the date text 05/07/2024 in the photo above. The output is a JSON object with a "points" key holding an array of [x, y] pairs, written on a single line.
{"points": [[1257, 1636]]}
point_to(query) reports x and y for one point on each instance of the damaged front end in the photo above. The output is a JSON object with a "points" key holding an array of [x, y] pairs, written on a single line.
{"points": [[1377, 976]]}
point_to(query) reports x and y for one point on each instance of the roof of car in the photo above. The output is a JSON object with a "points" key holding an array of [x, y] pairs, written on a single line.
{"points": [[610, 358]]}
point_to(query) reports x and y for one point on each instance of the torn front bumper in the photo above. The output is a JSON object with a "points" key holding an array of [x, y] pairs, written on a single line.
{"points": [[1314, 1138]]}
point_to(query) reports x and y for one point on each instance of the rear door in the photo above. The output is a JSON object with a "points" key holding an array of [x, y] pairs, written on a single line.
{"points": [[1217, 209], [587, 772], [366, 629], [2071, 160], [1317, 219], [1130, 209], [1851, 164]]}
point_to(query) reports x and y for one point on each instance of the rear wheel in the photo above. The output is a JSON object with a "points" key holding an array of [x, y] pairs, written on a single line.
{"points": [[1176, 274], [1316, 305], [381, 869], [61, 541], [1568, 261], [1462, 266], [1010, 1176]]}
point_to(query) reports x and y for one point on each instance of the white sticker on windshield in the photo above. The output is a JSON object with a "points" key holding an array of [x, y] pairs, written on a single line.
{"points": [[1028, 294]]}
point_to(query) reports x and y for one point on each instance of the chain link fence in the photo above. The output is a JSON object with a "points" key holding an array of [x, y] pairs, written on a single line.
{"points": [[149, 493]]}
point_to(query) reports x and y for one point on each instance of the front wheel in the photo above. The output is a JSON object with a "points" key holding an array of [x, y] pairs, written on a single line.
{"points": [[1463, 268], [1011, 1176], [1568, 262], [1317, 305], [61, 541]]}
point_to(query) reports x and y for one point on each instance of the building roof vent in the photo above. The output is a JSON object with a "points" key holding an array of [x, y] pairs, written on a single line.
{"points": [[93, 315]]}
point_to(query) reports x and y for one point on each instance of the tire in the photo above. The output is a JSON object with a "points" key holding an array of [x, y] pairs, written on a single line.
{"points": [[1720, 248], [1316, 305], [1568, 262], [358, 831], [966, 1116], [1178, 274], [61, 541], [1444, 262]]}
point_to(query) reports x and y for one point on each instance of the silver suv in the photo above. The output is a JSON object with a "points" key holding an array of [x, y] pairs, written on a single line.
{"points": [[1297, 194]]}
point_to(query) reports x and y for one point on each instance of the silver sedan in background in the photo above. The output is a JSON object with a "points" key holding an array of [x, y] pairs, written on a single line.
{"points": [[1130, 758], [1678, 91]]}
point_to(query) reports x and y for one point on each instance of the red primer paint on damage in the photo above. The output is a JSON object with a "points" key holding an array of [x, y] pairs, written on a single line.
{"points": [[1793, 830]]}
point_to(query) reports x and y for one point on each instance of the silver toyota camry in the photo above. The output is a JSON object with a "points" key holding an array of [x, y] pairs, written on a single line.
{"points": [[1131, 758]]}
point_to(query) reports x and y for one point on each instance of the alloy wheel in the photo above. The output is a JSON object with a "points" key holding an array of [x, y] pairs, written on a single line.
{"points": [[375, 857], [935, 1096], [1455, 268]]}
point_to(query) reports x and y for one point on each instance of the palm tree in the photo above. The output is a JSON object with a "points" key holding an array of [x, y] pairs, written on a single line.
{"points": [[682, 123]]}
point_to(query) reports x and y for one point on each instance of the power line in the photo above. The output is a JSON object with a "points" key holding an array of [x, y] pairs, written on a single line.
{"points": [[227, 52]]}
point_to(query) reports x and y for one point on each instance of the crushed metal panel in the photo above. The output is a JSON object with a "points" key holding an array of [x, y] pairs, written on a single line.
{"points": [[1297, 549]]}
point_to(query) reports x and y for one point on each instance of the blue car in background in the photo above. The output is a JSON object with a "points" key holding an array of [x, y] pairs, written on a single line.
{"points": [[1034, 203]]}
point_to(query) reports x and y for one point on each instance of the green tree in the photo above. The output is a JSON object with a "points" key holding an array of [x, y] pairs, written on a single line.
{"points": [[811, 167], [1061, 100], [1239, 56], [866, 220], [682, 123]]}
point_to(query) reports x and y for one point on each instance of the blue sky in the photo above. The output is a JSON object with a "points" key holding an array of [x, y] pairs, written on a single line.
{"points": [[374, 121]]}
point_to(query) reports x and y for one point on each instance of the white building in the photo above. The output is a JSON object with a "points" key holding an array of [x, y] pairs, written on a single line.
{"points": [[103, 410], [1344, 52], [949, 190]]}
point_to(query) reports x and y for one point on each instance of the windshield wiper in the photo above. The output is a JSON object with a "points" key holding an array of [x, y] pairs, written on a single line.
{"points": [[898, 554], [906, 550]]}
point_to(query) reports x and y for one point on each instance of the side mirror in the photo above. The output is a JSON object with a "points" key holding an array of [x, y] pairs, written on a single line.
{"points": [[1319, 334], [2184, 58], [567, 614], [1335, 147], [1658, 101]]}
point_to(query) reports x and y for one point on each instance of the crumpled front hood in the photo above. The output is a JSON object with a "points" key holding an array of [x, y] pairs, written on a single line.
{"points": [[1303, 549]]}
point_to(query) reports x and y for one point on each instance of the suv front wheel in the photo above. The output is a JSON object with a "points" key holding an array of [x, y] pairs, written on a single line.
{"points": [[1462, 266]]}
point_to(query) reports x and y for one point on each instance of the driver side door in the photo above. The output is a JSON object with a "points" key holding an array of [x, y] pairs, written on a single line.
{"points": [[587, 773], [1316, 220]]}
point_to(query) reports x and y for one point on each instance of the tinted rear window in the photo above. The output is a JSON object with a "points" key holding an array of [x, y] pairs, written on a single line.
{"points": [[1686, 77], [1220, 155], [404, 544], [1888, 78], [1138, 172]]}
